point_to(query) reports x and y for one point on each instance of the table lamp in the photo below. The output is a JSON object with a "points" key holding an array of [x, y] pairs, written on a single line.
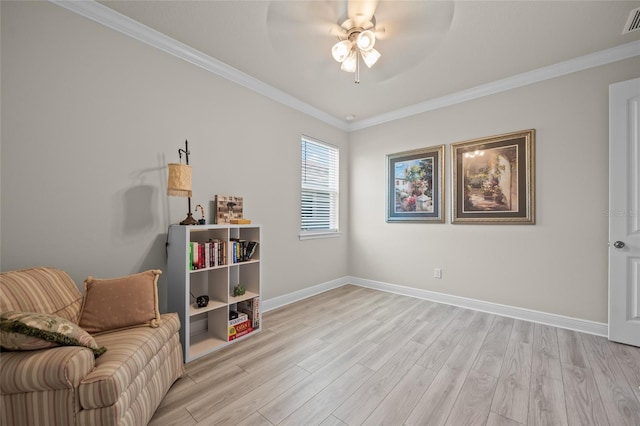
{"points": [[179, 184]]}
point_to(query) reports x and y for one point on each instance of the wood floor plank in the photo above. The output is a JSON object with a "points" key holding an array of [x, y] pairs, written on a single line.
{"points": [[522, 331], [318, 408], [441, 315], [546, 356], [620, 403], [628, 358], [238, 409], [333, 421], [389, 348], [285, 404], [256, 419], [335, 348], [497, 420], [474, 400], [220, 395], [364, 401], [397, 405], [477, 331], [546, 402], [491, 355], [282, 359], [174, 417], [571, 350], [435, 405], [511, 398], [584, 406], [438, 352]]}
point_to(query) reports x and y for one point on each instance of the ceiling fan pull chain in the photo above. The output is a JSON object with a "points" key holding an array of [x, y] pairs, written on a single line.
{"points": [[357, 81]]}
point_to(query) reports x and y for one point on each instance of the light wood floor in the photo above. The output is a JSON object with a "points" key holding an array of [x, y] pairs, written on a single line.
{"points": [[358, 356]]}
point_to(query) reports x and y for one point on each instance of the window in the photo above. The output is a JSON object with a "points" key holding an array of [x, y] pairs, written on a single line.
{"points": [[319, 201]]}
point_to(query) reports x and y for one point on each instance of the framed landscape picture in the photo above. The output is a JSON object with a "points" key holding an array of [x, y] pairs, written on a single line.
{"points": [[493, 179], [415, 185]]}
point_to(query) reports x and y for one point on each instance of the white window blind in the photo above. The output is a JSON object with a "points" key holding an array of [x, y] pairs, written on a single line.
{"points": [[319, 202]]}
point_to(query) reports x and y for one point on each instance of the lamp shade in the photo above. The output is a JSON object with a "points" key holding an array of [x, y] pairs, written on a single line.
{"points": [[370, 57], [366, 40], [341, 50], [349, 64], [179, 184]]}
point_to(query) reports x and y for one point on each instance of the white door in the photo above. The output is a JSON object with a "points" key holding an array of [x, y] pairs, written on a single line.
{"points": [[624, 212]]}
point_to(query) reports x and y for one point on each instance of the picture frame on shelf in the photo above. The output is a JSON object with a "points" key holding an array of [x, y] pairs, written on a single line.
{"points": [[415, 185], [494, 180], [227, 208]]}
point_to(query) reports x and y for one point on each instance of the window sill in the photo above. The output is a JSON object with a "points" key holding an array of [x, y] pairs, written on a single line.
{"points": [[317, 235]]}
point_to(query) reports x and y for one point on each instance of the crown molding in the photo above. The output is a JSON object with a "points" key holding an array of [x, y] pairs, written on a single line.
{"points": [[110, 18], [602, 57], [103, 15]]}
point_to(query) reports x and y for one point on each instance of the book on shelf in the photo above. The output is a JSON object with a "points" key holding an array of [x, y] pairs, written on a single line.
{"points": [[207, 254], [237, 335], [251, 307], [242, 250], [239, 320], [251, 249], [240, 328]]}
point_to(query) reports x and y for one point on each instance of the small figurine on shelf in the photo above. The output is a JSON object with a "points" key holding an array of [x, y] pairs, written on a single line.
{"points": [[201, 221], [238, 290], [201, 301]]}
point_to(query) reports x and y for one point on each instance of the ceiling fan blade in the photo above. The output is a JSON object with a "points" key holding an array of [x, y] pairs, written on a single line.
{"points": [[338, 31], [414, 18], [361, 11], [408, 32], [298, 17]]}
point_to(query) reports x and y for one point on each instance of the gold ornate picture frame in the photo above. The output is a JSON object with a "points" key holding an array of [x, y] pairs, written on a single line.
{"points": [[415, 185], [494, 180]]}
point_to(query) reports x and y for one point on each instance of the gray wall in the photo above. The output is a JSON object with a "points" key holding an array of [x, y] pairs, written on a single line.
{"points": [[90, 118], [557, 266]]}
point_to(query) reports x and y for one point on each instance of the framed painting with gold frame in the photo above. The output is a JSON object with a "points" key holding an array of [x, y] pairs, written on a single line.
{"points": [[415, 185], [494, 180]]}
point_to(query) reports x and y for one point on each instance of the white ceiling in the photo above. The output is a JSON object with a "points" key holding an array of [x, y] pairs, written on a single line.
{"points": [[460, 45]]}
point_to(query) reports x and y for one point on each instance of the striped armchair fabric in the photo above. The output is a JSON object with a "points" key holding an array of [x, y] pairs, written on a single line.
{"points": [[67, 385]]}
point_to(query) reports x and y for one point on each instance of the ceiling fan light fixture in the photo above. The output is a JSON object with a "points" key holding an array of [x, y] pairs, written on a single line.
{"points": [[365, 40], [370, 57], [341, 50], [350, 63]]}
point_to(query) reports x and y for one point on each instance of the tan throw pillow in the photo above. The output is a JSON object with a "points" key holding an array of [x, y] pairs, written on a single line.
{"points": [[28, 331], [120, 302]]}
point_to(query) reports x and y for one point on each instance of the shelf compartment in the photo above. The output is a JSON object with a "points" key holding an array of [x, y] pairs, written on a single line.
{"points": [[203, 343], [247, 274], [213, 304], [246, 262], [213, 283], [246, 296], [192, 271]]}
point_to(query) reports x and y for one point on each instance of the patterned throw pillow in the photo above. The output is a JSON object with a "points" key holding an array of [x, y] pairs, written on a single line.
{"points": [[27, 331], [120, 302]]}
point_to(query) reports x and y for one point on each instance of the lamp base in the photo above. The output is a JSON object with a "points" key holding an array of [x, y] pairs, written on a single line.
{"points": [[189, 220]]}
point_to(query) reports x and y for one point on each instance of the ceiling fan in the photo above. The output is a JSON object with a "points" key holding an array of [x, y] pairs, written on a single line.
{"points": [[407, 30]]}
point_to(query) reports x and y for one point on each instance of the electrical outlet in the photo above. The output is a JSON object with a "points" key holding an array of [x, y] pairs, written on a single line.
{"points": [[437, 273]]}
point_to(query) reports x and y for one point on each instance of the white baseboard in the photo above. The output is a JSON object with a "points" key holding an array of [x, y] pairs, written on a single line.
{"points": [[277, 302], [561, 321]]}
